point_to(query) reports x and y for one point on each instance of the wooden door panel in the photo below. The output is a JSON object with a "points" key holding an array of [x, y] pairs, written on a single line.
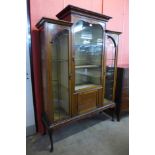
{"points": [[87, 101]]}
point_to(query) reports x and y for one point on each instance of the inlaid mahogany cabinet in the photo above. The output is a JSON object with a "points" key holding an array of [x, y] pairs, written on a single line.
{"points": [[78, 57]]}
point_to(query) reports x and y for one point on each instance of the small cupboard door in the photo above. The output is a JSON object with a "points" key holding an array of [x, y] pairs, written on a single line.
{"points": [[87, 101]]}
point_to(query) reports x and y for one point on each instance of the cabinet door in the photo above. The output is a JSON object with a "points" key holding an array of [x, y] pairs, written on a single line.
{"points": [[57, 59], [87, 101], [88, 49], [110, 68]]}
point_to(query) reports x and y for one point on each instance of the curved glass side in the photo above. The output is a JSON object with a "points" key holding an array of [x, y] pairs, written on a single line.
{"points": [[88, 47], [110, 68]]}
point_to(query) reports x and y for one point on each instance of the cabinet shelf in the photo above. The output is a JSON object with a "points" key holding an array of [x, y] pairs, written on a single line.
{"points": [[84, 86], [88, 45], [87, 66], [95, 75]]}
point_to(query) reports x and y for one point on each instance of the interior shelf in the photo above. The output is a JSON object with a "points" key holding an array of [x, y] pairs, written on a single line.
{"points": [[87, 66], [78, 87], [89, 45], [97, 75]]}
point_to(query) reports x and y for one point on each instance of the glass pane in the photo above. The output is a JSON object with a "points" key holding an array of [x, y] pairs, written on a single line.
{"points": [[88, 47], [60, 74], [110, 64], [110, 49]]}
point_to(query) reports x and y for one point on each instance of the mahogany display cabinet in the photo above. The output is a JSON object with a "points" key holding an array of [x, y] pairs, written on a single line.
{"points": [[78, 59]]}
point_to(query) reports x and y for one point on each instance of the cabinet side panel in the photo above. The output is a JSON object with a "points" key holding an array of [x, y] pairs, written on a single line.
{"points": [[46, 74], [43, 68], [48, 52]]}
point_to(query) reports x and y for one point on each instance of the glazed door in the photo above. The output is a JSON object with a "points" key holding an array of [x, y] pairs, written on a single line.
{"points": [[88, 48], [110, 68], [60, 83]]}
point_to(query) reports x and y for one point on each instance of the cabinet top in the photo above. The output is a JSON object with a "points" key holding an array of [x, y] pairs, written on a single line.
{"points": [[53, 21], [70, 9]]}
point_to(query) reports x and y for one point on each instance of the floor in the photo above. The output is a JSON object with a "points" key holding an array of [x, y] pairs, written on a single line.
{"points": [[94, 136]]}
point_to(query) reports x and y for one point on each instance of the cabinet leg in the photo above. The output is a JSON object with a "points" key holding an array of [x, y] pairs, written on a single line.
{"points": [[44, 132], [113, 114], [50, 132], [46, 128], [118, 117], [118, 112]]}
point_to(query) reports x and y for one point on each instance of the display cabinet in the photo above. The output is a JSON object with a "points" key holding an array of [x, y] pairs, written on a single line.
{"points": [[78, 57]]}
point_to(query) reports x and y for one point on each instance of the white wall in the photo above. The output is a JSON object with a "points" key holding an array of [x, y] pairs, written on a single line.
{"points": [[30, 120]]}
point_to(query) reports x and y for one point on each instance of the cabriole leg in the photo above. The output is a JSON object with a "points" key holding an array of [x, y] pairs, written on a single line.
{"points": [[113, 114], [50, 132], [118, 112]]}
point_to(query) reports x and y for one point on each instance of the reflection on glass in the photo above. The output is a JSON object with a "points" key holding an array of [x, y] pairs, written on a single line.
{"points": [[110, 48], [60, 75], [88, 45], [110, 64]]}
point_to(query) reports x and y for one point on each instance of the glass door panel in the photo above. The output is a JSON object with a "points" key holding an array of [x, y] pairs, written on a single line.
{"points": [[110, 66], [88, 47], [60, 51]]}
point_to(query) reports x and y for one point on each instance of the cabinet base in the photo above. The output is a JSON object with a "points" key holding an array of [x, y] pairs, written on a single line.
{"points": [[49, 127]]}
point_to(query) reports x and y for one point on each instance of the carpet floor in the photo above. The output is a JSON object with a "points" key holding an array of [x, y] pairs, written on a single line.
{"points": [[94, 136]]}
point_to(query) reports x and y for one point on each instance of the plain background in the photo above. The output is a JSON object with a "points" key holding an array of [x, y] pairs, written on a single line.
{"points": [[13, 77]]}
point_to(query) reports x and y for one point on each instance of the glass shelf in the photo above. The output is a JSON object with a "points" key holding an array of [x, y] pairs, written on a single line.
{"points": [[87, 66], [88, 45], [88, 74], [79, 87]]}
